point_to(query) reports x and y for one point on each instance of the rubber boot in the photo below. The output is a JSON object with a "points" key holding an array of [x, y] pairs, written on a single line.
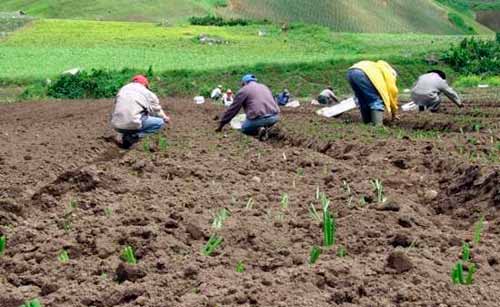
{"points": [[377, 117]]}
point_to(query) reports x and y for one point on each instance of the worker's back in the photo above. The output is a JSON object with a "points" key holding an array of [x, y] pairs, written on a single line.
{"points": [[257, 100]]}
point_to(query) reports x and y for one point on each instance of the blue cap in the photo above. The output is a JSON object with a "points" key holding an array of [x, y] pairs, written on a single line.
{"points": [[248, 78]]}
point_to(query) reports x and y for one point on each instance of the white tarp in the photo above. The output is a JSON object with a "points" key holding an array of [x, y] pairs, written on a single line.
{"points": [[342, 107], [199, 100], [237, 121], [293, 104], [410, 106]]}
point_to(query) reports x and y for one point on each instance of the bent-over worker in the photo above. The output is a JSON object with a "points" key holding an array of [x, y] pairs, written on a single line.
{"points": [[374, 85], [327, 96], [137, 112], [259, 105], [428, 90]]}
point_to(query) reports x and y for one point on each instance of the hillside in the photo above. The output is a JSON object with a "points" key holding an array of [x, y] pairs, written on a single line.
{"points": [[379, 16]]}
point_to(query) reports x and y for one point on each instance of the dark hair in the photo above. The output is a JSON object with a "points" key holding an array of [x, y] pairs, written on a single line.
{"points": [[441, 73], [330, 88]]}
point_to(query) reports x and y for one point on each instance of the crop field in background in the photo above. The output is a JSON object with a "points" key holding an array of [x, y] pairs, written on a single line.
{"points": [[49, 47]]}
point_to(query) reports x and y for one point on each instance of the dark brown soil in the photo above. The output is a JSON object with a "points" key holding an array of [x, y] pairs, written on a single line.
{"points": [[441, 173]]}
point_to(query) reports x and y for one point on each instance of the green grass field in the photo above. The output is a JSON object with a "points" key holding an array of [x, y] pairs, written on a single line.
{"points": [[49, 47], [373, 16]]}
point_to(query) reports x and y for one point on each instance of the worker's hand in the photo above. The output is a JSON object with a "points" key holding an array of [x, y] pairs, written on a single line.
{"points": [[461, 105], [395, 117], [219, 129], [166, 119]]}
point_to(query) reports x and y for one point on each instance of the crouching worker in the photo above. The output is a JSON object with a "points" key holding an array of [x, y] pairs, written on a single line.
{"points": [[374, 85], [327, 96], [428, 90], [137, 112], [259, 105]]}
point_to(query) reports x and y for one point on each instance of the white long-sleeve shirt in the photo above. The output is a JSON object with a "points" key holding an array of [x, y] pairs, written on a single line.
{"points": [[132, 102], [429, 88]]}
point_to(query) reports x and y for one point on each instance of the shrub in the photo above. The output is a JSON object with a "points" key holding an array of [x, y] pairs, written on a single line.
{"points": [[474, 56], [96, 83], [211, 20]]}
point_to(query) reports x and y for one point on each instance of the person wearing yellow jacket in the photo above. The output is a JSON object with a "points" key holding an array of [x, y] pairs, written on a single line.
{"points": [[374, 85]]}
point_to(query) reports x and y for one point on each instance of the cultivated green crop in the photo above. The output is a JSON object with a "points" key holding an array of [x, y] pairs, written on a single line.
{"points": [[378, 189], [314, 255], [162, 143], [63, 256], [465, 252], [32, 303], [128, 255], [240, 267], [341, 252], [329, 225], [3, 244], [212, 244], [457, 274], [284, 201], [220, 218], [478, 230]]}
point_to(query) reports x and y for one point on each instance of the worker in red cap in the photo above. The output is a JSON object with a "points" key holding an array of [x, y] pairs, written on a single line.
{"points": [[137, 112]]}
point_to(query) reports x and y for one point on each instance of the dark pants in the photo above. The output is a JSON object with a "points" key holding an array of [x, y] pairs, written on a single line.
{"points": [[371, 104], [251, 126]]}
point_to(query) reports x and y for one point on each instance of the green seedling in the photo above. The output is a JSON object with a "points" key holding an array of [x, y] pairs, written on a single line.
{"points": [[300, 172], [162, 143], [329, 228], [3, 244], [346, 187], [478, 230], [341, 252], [212, 244], [63, 256], [128, 255], [313, 213], [284, 201], [457, 274], [240, 267], [32, 303], [249, 204], [314, 255], [220, 218], [378, 189], [108, 211], [465, 252], [73, 204], [318, 193], [362, 201]]}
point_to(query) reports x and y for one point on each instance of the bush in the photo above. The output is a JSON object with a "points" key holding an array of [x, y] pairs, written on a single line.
{"points": [[93, 84], [211, 20], [474, 56]]}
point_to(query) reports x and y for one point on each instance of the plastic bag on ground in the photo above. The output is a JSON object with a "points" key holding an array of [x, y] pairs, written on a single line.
{"points": [[293, 104], [237, 121], [410, 106], [199, 100], [342, 107]]}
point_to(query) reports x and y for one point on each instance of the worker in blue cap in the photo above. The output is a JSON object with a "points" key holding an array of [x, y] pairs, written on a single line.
{"points": [[256, 99]]}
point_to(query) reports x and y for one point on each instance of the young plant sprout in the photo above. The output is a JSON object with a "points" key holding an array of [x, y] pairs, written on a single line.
{"points": [[146, 146], [212, 244], [73, 204], [63, 256], [465, 252], [329, 226], [313, 213], [478, 230], [314, 255], [457, 274], [128, 255], [300, 172], [249, 204], [284, 201], [347, 187], [240, 267], [32, 303], [3, 244], [318, 193], [341, 252], [162, 143], [378, 189], [108, 211], [220, 218]]}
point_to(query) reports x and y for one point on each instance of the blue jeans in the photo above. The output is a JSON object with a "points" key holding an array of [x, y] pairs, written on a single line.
{"points": [[150, 125], [368, 97], [251, 126]]}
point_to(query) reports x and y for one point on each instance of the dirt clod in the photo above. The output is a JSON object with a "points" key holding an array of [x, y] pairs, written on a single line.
{"points": [[399, 262]]}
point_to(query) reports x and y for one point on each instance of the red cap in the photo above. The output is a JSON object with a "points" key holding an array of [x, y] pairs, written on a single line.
{"points": [[141, 79]]}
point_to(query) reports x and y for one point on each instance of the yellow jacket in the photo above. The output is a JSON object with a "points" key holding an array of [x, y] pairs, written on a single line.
{"points": [[383, 77]]}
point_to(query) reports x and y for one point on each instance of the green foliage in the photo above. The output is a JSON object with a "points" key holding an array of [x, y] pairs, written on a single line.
{"points": [[314, 255], [457, 274], [474, 56], [162, 143], [465, 252], [313, 213], [460, 23], [341, 252], [32, 303], [220, 218], [212, 244], [478, 230], [284, 201], [210, 20], [240, 267], [329, 224], [146, 145], [378, 189], [128, 255], [63, 256], [3, 244]]}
